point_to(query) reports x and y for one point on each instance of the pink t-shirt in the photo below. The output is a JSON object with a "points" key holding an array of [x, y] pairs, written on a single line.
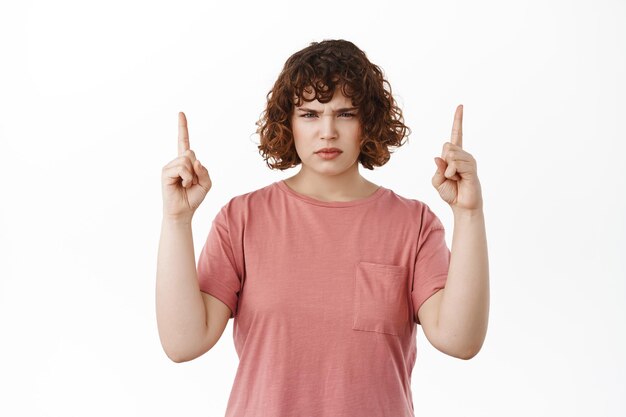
{"points": [[324, 297]]}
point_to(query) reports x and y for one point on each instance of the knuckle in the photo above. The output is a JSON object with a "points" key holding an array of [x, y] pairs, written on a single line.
{"points": [[185, 161]]}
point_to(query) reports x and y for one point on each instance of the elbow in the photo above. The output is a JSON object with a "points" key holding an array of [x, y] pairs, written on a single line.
{"points": [[178, 352], [184, 355], [461, 351], [465, 347], [177, 358], [469, 352], [176, 355]]}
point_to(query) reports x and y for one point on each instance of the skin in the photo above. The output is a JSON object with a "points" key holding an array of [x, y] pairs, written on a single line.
{"points": [[336, 179], [455, 318], [188, 320], [186, 181]]}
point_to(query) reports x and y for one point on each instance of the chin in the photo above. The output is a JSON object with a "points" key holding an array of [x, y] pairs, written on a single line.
{"points": [[332, 172]]}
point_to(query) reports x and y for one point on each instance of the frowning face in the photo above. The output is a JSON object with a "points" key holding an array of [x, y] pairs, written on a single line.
{"points": [[334, 124]]}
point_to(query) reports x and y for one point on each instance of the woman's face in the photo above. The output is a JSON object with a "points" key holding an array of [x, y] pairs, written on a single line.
{"points": [[334, 124]]}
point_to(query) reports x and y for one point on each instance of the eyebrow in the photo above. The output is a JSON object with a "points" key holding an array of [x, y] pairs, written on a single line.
{"points": [[343, 109]]}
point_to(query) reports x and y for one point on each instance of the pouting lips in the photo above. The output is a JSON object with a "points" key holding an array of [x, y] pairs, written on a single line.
{"points": [[328, 155]]}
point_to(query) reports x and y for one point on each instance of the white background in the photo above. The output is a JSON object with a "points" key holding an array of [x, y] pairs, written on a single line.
{"points": [[89, 96]]}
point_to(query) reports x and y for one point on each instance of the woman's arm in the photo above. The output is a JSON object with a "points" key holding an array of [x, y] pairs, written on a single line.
{"points": [[455, 318], [463, 310]]}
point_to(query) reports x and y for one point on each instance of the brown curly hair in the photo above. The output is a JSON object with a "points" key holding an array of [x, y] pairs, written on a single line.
{"points": [[323, 66]]}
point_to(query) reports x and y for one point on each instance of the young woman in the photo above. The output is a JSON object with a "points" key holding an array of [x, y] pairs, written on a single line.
{"points": [[325, 273]]}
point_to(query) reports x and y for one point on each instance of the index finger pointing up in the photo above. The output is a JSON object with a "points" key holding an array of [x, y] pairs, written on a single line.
{"points": [[183, 134], [457, 127]]}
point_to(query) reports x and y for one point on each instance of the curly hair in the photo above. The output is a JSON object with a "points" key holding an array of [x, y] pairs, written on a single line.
{"points": [[324, 66]]}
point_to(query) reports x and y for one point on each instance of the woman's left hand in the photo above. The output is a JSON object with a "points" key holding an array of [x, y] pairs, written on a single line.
{"points": [[456, 179]]}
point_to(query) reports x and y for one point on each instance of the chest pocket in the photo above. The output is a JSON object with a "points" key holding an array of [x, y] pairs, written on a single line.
{"points": [[380, 298]]}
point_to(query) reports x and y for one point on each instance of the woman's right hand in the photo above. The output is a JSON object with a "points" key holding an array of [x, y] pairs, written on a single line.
{"points": [[185, 182]]}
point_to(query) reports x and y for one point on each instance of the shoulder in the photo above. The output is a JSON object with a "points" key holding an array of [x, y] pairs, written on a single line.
{"points": [[257, 195], [401, 200], [415, 207], [241, 204]]}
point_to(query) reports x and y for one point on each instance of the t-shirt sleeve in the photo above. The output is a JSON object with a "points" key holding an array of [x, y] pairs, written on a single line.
{"points": [[217, 266], [432, 261]]}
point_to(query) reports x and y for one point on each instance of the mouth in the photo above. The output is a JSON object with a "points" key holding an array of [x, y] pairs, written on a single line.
{"points": [[329, 150], [328, 154]]}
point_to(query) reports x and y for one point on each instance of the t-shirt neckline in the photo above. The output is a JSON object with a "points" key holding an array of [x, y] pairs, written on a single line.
{"points": [[375, 195]]}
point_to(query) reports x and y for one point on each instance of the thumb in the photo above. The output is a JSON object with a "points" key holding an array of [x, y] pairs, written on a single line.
{"points": [[439, 177], [203, 174]]}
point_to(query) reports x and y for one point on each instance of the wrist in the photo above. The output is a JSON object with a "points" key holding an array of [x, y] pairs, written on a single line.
{"points": [[176, 220], [468, 213]]}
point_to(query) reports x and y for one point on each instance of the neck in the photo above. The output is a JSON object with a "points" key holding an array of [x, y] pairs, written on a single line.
{"points": [[347, 185]]}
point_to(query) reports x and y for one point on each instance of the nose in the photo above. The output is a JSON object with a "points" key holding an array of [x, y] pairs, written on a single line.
{"points": [[328, 128]]}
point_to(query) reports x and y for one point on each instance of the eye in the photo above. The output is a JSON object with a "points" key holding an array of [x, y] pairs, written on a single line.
{"points": [[347, 114], [305, 115]]}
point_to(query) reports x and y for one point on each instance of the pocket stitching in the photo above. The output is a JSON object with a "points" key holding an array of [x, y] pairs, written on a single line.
{"points": [[389, 270]]}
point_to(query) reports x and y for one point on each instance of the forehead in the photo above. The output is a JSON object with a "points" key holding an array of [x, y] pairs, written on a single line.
{"points": [[339, 99]]}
